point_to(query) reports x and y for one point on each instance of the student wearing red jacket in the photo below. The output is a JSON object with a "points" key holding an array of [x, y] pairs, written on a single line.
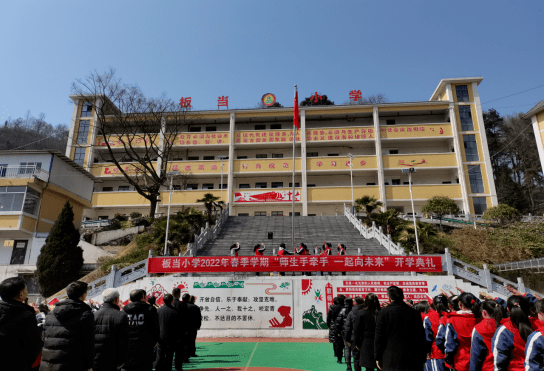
{"points": [[259, 251], [534, 350], [459, 330], [234, 249], [431, 323], [303, 250], [282, 252], [509, 341], [481, 354]]}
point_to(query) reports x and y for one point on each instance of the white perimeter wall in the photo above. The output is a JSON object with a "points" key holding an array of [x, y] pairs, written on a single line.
{"points": [[306, 298]]}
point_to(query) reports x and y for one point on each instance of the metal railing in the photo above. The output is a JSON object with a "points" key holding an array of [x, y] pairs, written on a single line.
{"points": [[521, 264], [95, 223], [208, 233], [374, 232], [24, 171]]}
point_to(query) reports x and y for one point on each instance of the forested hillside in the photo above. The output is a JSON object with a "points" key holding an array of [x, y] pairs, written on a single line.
{"points": [[32, 133]]}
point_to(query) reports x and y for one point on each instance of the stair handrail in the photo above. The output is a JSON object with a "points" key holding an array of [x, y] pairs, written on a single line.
{"points": [[209, 233], [373, 232], [521, 264]]}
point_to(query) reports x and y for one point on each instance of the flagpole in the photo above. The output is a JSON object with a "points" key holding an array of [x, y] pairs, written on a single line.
{"points": [[293, 203]]}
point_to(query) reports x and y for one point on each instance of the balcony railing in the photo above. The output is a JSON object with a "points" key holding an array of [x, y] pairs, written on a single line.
{"points": [[23, 171]]}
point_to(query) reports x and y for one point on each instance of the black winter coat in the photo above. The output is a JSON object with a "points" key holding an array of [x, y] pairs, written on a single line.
{"points": [[341, 319], [349, 324], [169, 324], [110, 337], [399, 342], [143, 325], [20, 340], [68, 337], [182, 309], [194, 320], [331, 318], [364, 330]]}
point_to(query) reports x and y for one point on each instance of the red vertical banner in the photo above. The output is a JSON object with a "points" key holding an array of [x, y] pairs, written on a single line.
{"points": [[328, 295], [296, 119]]}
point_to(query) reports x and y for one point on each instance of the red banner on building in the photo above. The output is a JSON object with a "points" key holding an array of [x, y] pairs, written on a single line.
{"points": [[296, 264]]}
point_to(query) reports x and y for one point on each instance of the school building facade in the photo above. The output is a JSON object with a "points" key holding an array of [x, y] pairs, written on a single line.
{"points": [[443, 138]]}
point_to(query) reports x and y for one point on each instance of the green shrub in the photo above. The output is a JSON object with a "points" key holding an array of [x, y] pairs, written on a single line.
{"points": [[135, 215], [502, 214]]}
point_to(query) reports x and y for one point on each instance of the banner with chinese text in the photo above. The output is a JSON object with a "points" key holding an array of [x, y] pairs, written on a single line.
{"points": [[296, 264], [270, 196]]}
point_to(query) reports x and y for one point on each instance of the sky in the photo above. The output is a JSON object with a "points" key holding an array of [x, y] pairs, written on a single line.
{"points": [[244, 49]]}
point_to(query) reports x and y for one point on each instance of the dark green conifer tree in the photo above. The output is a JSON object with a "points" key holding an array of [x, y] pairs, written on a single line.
{"points": [[60, 259]]}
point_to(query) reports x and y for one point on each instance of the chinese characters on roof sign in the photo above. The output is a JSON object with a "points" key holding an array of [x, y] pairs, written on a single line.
{"points": [[296, 264], [185, 102]]}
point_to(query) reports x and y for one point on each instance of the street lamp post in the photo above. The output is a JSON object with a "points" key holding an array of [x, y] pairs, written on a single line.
{"points": [[222, 158], [351, 157], [410, 171], [171, 175]]}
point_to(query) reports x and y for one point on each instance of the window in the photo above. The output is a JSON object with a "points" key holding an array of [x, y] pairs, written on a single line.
{"points": [[261, 185], [83, 131], [207, 186], [395, 181], [103, 217], [471, 149], [260, 127], [446, 182], [480, 205], [275, 126], [86, 109], [11, 198], [124, 188], [79, 156], [296, 213], [310, 185], [193, 158], [312, 154], [194, 129], [393, 151], [208, 158], [277, 184], [177, 157], [406, 183], [312, 214], [462, 93], [32, 200], [277, 155], [107, 189], [475, 177], [390, 122], [332, 154], [223, 186], [261, 155], [260, 213], [296, 184], [176, 187], [243, 214], [191, 187], [241, 157], [370, 183], [466, 118], [211, 128], [243, 186], [277, 213], [28, 167]]}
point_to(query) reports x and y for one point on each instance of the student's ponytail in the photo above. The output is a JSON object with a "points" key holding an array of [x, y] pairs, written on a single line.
{"points": [[495, 311], [440, 303], [472, 303], [519, 315]]}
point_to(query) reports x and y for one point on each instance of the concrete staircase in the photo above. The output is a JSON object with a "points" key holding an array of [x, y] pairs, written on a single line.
{"points": [[311, 230]]}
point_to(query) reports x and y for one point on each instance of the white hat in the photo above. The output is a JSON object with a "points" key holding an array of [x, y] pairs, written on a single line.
{"points": [[109, 295]]}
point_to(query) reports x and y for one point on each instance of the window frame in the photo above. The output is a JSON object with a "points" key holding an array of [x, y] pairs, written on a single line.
{"points": [[465, 110], [469, 139]]}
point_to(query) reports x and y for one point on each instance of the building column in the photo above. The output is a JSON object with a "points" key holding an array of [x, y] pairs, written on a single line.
{"points": [[304, 180], [487, 158], [457, 148], [72, 130], [538, 138], [379, 160], [90, 156], [230, 176]]}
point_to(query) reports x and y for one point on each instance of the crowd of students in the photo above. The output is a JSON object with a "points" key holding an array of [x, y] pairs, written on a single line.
{"points": [[448, 332], [302, 249], [74, 336]]}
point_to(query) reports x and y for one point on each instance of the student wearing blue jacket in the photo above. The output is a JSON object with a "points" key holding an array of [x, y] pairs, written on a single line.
{"points": [[534, 350]]}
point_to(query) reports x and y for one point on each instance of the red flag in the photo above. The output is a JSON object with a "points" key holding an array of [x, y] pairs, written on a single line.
{"points": [[53, 302], [296, 119]]}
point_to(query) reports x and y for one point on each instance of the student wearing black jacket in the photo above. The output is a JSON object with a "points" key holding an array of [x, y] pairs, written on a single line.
{"points": [[143, 333], [20, 339], [364, 331], [170, 336], [194, 321], [110, 334], [400, 337], [349, 332], [69, 333], [335, 308], [181, 355], [339, 328]]}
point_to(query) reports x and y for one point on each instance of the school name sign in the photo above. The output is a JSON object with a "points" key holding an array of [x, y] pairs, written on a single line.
{"points": [[296, 264]]}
